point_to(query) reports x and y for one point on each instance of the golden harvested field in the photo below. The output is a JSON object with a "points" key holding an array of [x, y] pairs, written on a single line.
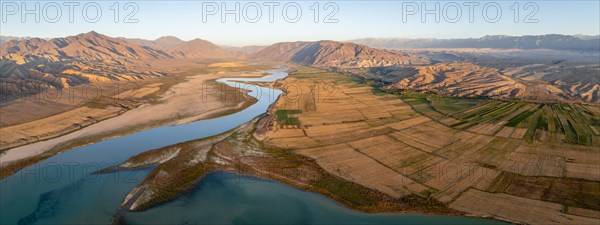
{"points": [[342, 160], [517, 209], [54, 126], [68, 120], [481, 167]]}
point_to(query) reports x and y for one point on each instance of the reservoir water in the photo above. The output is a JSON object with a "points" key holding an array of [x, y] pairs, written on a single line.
{"points": [[63, 189], [228, 198]]}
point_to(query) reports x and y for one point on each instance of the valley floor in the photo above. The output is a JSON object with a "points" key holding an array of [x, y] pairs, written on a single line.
{"points": [[378, 152]]}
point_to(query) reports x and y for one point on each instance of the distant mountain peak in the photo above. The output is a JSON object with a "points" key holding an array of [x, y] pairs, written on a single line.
{"points": [[170, 38], [91, 34], [168, 41], [198, 40]]}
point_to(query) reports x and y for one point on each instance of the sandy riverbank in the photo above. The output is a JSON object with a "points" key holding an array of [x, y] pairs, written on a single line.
{"points": [[174, 105]]}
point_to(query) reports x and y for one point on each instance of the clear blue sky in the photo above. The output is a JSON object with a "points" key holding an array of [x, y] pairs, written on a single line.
{"points": [[356, 19]]}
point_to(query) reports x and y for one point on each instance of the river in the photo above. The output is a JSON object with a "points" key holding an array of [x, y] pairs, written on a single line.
{"points": [[63, 189]]}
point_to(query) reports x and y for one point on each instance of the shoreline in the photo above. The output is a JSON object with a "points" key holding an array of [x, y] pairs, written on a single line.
{"points": [[41, 150], [12, 167], [349, 205], [272, 176], [290, 181]]}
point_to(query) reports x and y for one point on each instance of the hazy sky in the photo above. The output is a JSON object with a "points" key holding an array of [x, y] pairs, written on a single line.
{"points": [[355, 19]]}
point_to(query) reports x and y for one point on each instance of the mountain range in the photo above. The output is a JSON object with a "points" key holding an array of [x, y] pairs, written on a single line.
{"points": [[93, 46], [93, 57], [367, 52]]}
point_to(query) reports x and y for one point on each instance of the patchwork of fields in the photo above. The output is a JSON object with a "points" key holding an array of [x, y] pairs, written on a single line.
{"points": [[570, 123], [530, 163]]}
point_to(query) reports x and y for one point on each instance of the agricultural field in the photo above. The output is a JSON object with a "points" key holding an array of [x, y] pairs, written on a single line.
{"points": [[451, 105], [561, 123], [456, 151]]}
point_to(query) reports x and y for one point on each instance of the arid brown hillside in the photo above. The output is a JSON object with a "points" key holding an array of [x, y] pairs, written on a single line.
{"points": [[466, 79], [31, 65], [336, 54], [459, 79], [90, 46]]}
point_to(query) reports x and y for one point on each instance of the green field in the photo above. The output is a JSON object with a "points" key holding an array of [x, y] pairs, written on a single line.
{"points": [[283, 117], [571, 123], [452, 105]]}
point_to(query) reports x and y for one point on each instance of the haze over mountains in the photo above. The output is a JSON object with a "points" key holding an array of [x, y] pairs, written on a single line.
{"points": [[4, 39], [93, 57], [549, 41]]}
